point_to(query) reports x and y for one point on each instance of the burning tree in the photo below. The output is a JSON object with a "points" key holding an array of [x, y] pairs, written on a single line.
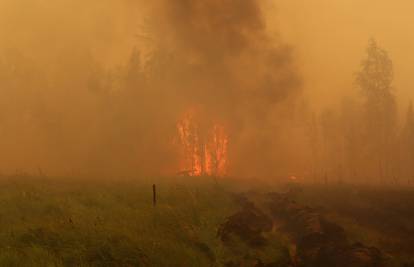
{"points": [[204, 149]]}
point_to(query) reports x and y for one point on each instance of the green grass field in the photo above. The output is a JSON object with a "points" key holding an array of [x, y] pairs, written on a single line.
{"points": [[63, 222], [71, 223]]}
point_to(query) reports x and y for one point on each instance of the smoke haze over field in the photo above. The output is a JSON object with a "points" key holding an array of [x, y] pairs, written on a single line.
{"points": [[96, 88]]}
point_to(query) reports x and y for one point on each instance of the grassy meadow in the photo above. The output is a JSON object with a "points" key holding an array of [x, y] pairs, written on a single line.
{"points": [[46, 222], [70, 222]]}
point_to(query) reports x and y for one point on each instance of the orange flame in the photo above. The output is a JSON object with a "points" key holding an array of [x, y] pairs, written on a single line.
{"points": [[202, 156]]}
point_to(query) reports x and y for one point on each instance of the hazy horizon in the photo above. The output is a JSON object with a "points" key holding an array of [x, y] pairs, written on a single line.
{"points": [[97, 88]]}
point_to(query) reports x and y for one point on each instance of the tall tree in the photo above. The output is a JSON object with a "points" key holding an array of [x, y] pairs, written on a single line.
{"points": [[407, 144], [375, 82], [408, 131]]}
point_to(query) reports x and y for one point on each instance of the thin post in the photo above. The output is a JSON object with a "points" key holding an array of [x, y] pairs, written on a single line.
{"points": [[154, 195]]}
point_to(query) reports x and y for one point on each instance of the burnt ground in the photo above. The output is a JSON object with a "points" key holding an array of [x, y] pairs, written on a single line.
{"points": [[381, 216], [318, 233]]}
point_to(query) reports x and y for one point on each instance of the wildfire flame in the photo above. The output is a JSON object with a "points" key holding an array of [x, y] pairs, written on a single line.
{"points": [[203, 152]]}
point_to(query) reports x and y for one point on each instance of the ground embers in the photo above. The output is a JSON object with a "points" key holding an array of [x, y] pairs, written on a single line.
{"points": [[319, 242], [248, 224]]}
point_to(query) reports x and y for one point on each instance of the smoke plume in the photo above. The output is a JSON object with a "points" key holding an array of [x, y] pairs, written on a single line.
{"points": [[67, 109], [227, 65]]}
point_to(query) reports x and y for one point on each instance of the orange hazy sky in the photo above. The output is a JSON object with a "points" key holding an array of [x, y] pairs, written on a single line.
{"points": [[64, 39], [331, 35]]}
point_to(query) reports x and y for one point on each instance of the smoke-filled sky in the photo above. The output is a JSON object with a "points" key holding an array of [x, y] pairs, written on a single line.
{"points": [[243, 63], [329, 35]]}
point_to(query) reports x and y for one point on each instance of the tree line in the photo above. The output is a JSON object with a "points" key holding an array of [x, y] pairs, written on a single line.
{"points": [[362, 140]]}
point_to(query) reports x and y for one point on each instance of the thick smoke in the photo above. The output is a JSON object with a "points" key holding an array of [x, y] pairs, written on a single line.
{"points": [[67, 110], [228, 66]]}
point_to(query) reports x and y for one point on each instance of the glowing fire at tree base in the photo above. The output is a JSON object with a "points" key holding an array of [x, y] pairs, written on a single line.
{"points": [[204, 151]]}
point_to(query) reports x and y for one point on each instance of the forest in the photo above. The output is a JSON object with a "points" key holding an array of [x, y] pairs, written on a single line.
{"points": [[206, 133]]}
